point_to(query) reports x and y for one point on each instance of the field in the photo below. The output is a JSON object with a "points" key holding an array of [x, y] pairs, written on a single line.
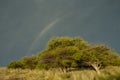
{"points": [[109, 73]]}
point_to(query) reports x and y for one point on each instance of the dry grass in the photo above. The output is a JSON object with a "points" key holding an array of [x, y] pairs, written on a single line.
{"points": [[109, 73]]}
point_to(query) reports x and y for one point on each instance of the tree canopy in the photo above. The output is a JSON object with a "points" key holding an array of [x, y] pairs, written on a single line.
{"points": [[67, 52]]}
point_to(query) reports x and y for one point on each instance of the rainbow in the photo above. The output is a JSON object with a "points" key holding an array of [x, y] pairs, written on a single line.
{"points": [[40, 34]]}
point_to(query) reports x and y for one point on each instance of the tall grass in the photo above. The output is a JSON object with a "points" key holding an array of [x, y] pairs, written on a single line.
{"points": [[109, 73]]}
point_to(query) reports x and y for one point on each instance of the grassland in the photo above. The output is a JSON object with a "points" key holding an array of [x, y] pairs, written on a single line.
{"points": [[109, 73]]}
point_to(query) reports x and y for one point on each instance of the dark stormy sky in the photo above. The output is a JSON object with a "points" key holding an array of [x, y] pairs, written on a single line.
{"points": [[26, 25]]}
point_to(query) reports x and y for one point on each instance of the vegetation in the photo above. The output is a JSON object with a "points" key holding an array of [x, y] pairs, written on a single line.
{"points": [[25, 63], [108, 73], [67, 54]]}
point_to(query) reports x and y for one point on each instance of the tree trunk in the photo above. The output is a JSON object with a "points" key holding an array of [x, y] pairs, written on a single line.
{"points": [[64, 70], [96, 67]]}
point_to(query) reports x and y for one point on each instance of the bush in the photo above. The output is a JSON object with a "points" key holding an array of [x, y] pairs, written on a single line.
{"points": [[25, 63], [16, 64], [29, 62]]}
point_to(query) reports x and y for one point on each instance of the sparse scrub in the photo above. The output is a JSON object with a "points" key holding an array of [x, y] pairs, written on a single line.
{"points": [[109, 73]]}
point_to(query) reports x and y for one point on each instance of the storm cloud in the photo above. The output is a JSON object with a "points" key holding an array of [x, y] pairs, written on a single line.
{"points": [[27, 25]]}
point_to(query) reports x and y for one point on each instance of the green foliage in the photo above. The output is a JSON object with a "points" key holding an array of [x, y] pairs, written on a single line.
{"points": [[42, 66], [60, 57], [116, 61], [59, 42], [66, 41], [74, 52], [15, 65], [80, 43], [66, 53], [25, 62], [29, 62], [77, 56]]}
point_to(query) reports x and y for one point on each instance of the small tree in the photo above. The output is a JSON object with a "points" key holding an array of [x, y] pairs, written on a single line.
{"points": [[97, 56]]}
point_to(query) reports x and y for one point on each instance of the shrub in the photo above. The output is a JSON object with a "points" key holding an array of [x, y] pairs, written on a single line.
{"points": [[16, 64], [29, 62]]}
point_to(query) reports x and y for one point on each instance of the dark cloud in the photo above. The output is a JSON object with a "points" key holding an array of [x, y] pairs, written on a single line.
{"points": [[21, 21]]}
